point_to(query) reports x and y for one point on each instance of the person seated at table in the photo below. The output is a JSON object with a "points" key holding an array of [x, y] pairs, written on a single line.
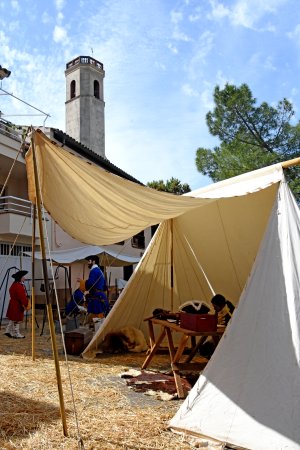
{"points": [[224, 308]]}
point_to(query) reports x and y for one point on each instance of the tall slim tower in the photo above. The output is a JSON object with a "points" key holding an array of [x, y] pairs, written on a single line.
{"points": [[85, 103]]}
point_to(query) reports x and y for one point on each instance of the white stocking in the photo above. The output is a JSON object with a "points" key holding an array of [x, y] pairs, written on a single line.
{"points": [[17, 333], [9, 331]]}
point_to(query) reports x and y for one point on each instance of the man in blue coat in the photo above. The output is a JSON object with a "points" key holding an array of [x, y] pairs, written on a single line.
{"points": [[95, 285]]}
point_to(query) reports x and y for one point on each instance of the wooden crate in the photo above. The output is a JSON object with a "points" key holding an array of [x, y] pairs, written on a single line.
{"points": [[77, 340], [198, 322]]}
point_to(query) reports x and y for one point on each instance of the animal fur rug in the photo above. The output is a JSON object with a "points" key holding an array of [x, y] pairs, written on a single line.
{"points": [[158, 385]]}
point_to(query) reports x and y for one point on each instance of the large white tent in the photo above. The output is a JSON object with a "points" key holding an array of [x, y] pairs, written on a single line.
{"points": [[248, 394], [240, 238]]}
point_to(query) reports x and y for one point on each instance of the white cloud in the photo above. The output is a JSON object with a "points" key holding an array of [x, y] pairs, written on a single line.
{"points": [[268, 27], [13, 26], [218, 10], [60, 35], [206, 97], [242, 15], [59, 4], [294, 91], [260, 60], [15, 5], [202, 49], [245, 13], [221, 80], [180, 36], [295, 33], [269, 64], [189, 91], [196, 15], [46, 18], [160, 65], [176, 17], [172, 48]]}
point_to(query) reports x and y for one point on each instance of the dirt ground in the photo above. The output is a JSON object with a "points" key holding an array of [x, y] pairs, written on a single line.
{"points": [[101, 411]]}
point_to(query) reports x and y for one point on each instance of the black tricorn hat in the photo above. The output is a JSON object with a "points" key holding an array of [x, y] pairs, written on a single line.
{"points": [[93, 258], [18, 275]]}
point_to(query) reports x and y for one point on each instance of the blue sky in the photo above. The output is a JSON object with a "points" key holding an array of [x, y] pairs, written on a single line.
{"points": [[162, 60]]}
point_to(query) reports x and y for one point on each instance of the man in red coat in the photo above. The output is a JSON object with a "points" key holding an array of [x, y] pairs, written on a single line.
{"points": [[17, 305]]}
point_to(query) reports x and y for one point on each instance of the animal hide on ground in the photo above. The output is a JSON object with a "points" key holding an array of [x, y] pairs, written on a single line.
{"points": [[159, 385], [126, 339]]}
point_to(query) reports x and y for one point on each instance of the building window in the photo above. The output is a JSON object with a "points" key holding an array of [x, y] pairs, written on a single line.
{"points": [[73, 89], [96, 89], [138, 241], [11, 250]]}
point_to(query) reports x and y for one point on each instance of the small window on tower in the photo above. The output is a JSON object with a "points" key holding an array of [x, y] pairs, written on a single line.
{"points": [[73, 89], [96, 89]]}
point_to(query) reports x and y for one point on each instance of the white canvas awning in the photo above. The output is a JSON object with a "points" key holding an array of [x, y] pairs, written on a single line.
{"points": [[94, 206]]}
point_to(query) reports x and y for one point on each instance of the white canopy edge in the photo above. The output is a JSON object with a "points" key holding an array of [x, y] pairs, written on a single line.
{"points": [[80, 253], [242, 184]]}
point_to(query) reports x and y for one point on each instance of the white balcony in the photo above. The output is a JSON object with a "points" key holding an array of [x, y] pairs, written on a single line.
{"points": [[16, 218]]}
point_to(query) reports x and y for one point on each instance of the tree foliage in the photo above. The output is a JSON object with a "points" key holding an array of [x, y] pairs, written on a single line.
{"points": [[252, 136], [174, 186]]}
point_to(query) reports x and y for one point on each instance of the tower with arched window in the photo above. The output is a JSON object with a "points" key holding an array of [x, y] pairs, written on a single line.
{"points": [[85, 102]]}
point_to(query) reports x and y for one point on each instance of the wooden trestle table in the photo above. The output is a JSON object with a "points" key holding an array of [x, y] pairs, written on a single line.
{"points": [[167, 328]]}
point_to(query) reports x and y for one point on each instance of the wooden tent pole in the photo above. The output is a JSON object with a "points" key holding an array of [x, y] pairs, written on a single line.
{"points": [[47, 293], [290, 163], [33, 282], [172, 266]]}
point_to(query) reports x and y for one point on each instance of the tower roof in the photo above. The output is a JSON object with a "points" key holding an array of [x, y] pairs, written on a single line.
{"points": [[84, 60]]}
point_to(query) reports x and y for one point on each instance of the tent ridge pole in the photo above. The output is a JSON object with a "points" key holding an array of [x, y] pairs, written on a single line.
{"points": [[290, 163]]}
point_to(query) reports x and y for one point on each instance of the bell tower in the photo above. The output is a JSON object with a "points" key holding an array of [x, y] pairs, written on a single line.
{"points": [[85, 103]]}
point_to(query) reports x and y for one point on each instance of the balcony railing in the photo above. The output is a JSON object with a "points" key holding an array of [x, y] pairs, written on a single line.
{"points": [[10, 130], [16, 205]]}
